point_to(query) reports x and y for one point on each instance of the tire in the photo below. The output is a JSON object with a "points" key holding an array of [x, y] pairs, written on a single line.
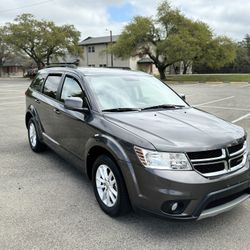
{"points": [[112, 204], [34, 141]]}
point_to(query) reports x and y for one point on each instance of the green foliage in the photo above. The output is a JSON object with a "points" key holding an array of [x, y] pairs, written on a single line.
{"points": [[6, 51], [41, 39], [170, 38]]}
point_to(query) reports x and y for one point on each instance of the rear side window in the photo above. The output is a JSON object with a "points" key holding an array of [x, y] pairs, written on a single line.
{"points": [[51, 85], [71, 88], [37, 82]]}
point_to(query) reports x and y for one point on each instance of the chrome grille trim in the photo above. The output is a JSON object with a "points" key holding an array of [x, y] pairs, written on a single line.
{"points": [[243, 149], [223, 156], [226, 158]]}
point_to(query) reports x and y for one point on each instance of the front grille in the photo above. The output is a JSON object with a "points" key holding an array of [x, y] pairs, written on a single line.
{"points": [[220, 161], [205, 154], [210, 168], [235, 148]]}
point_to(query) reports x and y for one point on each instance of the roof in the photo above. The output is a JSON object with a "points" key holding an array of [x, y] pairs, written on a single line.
{"points": [[107, 71], [145, 60], [98, 40]]}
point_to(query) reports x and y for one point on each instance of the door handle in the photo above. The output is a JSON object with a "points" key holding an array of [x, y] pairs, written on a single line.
{"points": [[37, 101], [56, 111]]}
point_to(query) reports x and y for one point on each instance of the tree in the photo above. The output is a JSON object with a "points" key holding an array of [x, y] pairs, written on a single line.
{"points": [[41, 39], [5, 50], [171, 37]]}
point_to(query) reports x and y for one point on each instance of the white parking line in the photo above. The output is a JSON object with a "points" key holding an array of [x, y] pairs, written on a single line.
{"points": [[9, 103], [11, 97], [227, 108], [241, 118], [214, 101], [244, 86], [12, 90]]}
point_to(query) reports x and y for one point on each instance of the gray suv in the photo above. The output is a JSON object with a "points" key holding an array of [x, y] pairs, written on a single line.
{"points": [[141, 144]]}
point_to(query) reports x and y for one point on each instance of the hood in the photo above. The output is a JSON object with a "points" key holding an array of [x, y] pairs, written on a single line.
{"points": [[186, 130]]}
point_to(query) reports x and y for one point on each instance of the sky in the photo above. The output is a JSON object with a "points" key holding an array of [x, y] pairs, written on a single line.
{"points": [[97, 17]]}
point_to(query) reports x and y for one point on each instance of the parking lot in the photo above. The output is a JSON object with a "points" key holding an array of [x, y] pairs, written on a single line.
{"points": [[47, 204]]}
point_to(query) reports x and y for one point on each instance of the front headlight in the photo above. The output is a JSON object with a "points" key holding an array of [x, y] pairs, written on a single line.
{"points": [[162, 160]]}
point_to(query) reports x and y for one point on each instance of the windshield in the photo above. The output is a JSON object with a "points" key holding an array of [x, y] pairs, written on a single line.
{"points": [[131, 92]]}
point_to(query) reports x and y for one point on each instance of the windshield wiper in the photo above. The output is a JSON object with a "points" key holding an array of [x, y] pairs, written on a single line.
{"points": [[164, 106], [121, 110]]}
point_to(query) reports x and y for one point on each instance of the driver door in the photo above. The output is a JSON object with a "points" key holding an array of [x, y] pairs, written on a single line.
{"points": [[72, 126]]}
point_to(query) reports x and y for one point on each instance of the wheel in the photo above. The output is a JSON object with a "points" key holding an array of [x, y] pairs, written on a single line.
{"points": [[109, 187], [35, 144]]}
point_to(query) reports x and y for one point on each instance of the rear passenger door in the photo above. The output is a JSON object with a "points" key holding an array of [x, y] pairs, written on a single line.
{"points": [[72, 128], [48, 104]]}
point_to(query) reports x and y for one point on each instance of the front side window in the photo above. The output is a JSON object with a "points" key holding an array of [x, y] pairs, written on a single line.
{"points": [[131, 91], [37, 82], [71, 88], [51, 85]]}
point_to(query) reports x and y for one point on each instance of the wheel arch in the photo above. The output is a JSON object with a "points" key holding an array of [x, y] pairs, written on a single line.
{"points": [[32, 113], [103, 144]]}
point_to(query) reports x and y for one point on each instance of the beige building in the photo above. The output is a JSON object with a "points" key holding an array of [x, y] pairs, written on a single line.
{"points": [[96, 55]]}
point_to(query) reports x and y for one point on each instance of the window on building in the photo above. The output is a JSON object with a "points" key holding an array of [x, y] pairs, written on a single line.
{"points": [[102, 65], [91, 65], [91, 49]]}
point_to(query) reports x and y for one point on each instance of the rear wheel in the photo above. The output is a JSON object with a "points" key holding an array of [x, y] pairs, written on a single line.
{"points": [[109, 187], [35, 143]]}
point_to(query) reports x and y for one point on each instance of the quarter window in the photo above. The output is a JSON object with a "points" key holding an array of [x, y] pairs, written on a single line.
{"points": [[37, 83], [51, 85], [71, 88]]}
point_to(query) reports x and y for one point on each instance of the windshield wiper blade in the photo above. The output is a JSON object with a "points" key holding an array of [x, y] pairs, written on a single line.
{"points": [[121, 110], [164, 106]]}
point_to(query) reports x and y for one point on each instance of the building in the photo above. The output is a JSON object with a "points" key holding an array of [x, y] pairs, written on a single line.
{"points": [[96, 55], [12, 67]]}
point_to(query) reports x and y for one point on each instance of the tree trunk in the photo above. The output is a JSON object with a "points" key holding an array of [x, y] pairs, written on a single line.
{"points": [[185, 68], [40, 65], [162, 73]]}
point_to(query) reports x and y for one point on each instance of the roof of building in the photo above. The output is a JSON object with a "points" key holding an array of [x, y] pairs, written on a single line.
{"points": [[98, 40], [145, 60]]}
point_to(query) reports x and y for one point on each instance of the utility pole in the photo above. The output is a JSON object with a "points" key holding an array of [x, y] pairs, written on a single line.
{"points": [[111, 54]]}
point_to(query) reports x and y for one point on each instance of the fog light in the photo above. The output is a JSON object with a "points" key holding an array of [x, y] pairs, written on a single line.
{"points": [[174, 206]]}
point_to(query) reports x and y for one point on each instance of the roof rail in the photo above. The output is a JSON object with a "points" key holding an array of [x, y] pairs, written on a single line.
{"points": [[68, 65]]}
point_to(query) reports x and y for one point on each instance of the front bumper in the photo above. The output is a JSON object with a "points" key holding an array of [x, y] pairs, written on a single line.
{"points": [[202, 197]]}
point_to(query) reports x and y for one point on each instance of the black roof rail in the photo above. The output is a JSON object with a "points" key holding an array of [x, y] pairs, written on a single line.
{"points": [[66, 65]]}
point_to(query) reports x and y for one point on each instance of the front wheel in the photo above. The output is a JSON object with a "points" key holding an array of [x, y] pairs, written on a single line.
{"points": [[35, 143], [109, 187]]}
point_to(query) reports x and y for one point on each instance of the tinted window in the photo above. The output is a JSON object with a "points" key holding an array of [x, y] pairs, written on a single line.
{"points": [[51, 86], [37, 82], [71, 88]]}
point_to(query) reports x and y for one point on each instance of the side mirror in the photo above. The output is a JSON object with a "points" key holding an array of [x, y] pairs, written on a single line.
{"points": [[75, 104], [183, 97]]}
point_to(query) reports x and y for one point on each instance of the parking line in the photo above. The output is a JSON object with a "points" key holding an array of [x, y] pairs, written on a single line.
{"points": [[214, 101], [244, 86], [241, 118], [12, 97], [227, 108], [8, 103]]}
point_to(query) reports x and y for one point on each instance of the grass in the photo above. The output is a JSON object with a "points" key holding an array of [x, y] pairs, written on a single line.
{"points": [[209, 78]]}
